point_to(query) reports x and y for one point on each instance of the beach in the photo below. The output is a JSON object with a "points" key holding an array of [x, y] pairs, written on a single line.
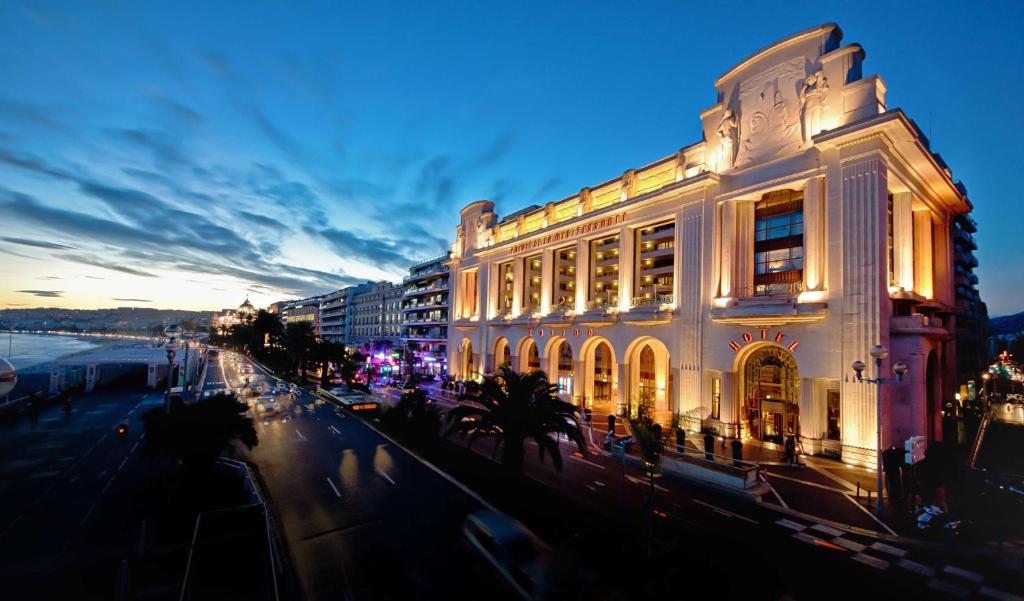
{"points": [[32, 354]]}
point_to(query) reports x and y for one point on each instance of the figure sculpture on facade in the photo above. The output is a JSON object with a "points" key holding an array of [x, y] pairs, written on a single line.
{"points": [[812, 104], [727, 132]]}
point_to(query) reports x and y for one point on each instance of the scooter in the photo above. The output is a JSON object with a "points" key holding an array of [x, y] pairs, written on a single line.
{"points": [[932, 519]]}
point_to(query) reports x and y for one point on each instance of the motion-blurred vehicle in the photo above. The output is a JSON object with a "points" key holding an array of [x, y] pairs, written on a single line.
{"points": [[516, 555], [121, 430], [349, 399], [267, 403]]}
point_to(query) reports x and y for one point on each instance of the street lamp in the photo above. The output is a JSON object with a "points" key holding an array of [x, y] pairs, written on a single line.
{"points": [[900, 369], [985, 377], [172, 332]]}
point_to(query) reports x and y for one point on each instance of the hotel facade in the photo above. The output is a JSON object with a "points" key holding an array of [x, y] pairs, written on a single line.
{"points": [[732, 284]]}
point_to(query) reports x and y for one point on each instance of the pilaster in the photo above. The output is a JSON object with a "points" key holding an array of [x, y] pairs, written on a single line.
{"points": [[627, 263], [582, 273], [903, 240], [923, 254], [814, 234], [727, 249]]}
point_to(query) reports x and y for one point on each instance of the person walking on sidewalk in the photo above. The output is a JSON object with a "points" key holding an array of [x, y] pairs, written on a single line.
{"points": [[790, 454]]}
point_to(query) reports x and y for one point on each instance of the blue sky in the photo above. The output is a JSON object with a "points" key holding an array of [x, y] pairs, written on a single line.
{"points": [[191, 154]]}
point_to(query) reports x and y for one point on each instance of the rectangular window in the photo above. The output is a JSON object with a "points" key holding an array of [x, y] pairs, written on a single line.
{"points": [[654, 264], [716, 398], [506, 285], [834, 417], [563, 297], [532, 283], [604, 272], [779, 243]]}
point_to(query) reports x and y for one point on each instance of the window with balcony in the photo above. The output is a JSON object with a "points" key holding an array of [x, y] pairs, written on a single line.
{"points": [[563, 297], [604, 272], [532, 283], [506, 286], [655, 264], [779, 243]]}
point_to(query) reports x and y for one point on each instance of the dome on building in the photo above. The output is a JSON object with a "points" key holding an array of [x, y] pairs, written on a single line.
{"points": [[246, 307]]}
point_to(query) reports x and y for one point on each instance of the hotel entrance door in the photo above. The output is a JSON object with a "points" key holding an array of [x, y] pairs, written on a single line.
{"points": [[771, 395]]}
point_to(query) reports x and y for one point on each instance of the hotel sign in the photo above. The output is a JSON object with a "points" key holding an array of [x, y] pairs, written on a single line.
{"points": [[570, 233], [779, 339]]}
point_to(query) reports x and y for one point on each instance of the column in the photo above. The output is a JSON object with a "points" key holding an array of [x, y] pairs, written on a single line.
{"points": [[579, 383], [517, 286], [689, 305], [812, 410], [729, 404], [923, 255], [547, 270], [624, 389], [743, 257], [865, 303], [626, 266], [942, 261], [482, 290], [493, 291], [903, 240], [582, 274], [727, 248], [814, 235]]}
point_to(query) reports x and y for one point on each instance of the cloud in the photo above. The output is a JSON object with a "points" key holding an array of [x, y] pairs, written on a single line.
{"points": [[262, 221], [97, 262], [37, 243], [132, 300], [49, 277], [42, 293], [376, 251]]}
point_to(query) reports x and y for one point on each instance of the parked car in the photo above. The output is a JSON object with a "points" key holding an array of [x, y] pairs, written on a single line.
{"points": [[513, 553]]}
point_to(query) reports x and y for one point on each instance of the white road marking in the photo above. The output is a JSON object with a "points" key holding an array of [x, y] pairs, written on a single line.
{"points": [[849, 544], [107, 485], [299, 432], [123, 461], [384, 475], [791, 525], [87, 514], [987, 591], [333, 429], [807, 538], [829, 530], [590, 463], [962, 573], [949, 588], [868, 560], [917, 568], [889, 549], [334, 488], [599, 483], [871, 515], [644, 482], [726, 512]]}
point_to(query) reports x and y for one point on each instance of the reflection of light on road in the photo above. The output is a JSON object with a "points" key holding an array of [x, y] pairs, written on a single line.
{"points": [[382, 461], [349, 469]]}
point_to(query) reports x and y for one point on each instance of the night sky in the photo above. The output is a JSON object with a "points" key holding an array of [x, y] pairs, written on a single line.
{"points": [[189, 155]]}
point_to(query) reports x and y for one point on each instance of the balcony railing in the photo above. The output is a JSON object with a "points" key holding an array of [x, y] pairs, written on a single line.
{"points": [[652, 300], [772, 290]]}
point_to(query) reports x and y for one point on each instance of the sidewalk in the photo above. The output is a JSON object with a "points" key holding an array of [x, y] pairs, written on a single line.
{"points": [[820, 487]]}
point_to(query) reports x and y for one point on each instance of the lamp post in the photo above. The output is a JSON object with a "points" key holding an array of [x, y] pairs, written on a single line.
{"points": [[186, 341], [900, 368], [172, 332], [985, 377]]}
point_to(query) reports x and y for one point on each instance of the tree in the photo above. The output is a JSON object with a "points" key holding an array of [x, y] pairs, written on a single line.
{"points": [[197, 434], [409, 356], [416, 418], [649, 443], [329, 353], [512, 407], [299, 343], [267, 327]]}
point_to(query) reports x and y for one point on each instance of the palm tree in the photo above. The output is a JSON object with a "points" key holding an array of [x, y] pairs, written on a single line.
{"points": [[197, 434], [416, 418], [651, 447], [267, 327], [299, 342], [512, 407]]}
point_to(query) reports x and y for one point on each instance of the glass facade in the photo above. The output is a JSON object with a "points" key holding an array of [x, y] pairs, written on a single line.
{"points": [[778, 243]]}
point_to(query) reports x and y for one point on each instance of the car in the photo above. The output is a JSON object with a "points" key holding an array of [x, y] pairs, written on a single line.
{"points": [[509, 549], [266, 404]]}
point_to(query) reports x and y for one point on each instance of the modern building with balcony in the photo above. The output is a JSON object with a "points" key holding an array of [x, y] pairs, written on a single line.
{"points": [[733, 283], [375, 316], [306, 310], [336, 312], [972, 329], [425, 315]]}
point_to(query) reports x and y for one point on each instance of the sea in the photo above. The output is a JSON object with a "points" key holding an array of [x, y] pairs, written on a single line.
{"points": [[28, 351]]}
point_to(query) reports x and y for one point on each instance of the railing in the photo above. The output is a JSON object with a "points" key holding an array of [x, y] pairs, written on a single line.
{"points": [[441, 286], [653, 300], [771, 290]]}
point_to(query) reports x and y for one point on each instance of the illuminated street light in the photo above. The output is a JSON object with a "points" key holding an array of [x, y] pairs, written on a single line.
{"points": [[899, 369]]}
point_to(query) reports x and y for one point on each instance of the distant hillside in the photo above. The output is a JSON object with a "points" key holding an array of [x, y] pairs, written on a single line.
{"points": [[1007, 324], [125, 320]]}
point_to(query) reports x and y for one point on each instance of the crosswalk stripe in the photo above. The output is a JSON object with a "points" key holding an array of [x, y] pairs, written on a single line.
{"points": [[949, 588], [872, 561], [962, 573], [888, 549], [917, 568], [791, 525], [849, 544]]}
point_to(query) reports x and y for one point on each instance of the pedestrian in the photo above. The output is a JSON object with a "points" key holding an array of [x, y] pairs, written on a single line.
{"points": [[790, 454], [609, 439]]}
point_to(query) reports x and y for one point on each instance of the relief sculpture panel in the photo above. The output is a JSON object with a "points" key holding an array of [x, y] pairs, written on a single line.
{"points": [[769, 112]]}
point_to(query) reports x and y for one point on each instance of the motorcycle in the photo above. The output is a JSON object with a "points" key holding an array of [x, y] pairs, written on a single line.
{"points": [[933, 520]]}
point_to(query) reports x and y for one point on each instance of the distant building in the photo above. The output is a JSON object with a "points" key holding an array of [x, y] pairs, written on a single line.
{"points": [[375, 315], [336, 312], [972, 328], [425, 315], [304, 310], [230, 317]]}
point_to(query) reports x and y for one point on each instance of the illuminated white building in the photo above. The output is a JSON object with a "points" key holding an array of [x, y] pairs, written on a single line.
{"points": [[735, 281], [230, 317]]}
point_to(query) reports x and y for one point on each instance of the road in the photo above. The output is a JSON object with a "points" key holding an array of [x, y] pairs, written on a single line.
{"points": [[362, 518], [64, 522]]}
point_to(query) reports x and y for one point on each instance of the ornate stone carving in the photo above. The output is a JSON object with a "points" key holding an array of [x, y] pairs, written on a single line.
{"points": [[812, 104], [727, 131], [769, 123]]}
